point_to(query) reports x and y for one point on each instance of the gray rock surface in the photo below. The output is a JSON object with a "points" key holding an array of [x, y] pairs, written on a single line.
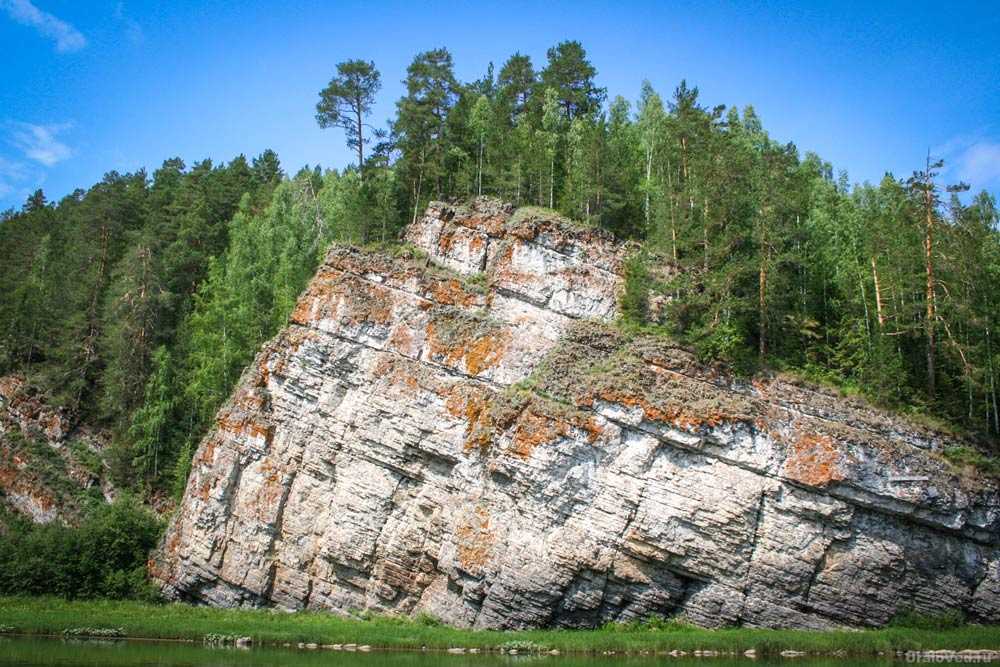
{"points": [[463, 434]]}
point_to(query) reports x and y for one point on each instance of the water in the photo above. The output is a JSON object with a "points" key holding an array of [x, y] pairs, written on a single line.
{"points": [[56, 652]]}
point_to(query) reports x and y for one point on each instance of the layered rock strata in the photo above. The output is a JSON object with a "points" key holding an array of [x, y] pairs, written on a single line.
{"points": [[456, 429]]}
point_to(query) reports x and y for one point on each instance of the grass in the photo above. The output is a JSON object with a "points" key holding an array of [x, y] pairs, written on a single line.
{"points": [[527, 212], [52, 616], [979, 462]]}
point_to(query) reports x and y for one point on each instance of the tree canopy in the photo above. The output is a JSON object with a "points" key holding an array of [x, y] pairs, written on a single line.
{"points": [[136, 303]]}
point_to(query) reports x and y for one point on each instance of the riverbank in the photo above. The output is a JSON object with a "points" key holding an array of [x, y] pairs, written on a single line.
{"points": [[50, 616]]}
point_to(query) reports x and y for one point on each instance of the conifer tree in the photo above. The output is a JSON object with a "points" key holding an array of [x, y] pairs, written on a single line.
{"points": [[347, 100]]}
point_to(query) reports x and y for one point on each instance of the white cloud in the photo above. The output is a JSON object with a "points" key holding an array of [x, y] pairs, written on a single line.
{"points": [[979, 164], [40, 142], [67, 38], [974, 159]]}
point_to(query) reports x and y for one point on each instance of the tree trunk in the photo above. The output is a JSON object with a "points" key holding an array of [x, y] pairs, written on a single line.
{"points": [[931, 313], [864, 301], [649, 173], [704, 236], [993, 387], [673, 218], [517, 195], [880, 313], [361, 142], [416, 194], [479, 178], [552, 181], [762, 306]]}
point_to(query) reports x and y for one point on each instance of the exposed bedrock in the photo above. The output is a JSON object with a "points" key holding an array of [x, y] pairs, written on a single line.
{"points": [[465, 434]]}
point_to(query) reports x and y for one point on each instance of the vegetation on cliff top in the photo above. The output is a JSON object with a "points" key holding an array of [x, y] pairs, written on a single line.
{"points": [[137, 303], [178, 621]]}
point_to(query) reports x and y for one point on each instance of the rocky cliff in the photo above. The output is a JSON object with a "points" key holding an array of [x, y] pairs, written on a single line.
{"points": [[457, 429], [48, 461]]}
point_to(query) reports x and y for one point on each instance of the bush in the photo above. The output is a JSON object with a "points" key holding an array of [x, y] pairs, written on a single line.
{"points": [[105, 556]]}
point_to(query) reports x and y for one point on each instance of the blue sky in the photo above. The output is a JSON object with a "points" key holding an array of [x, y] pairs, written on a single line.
{"points": [[88, 87]]}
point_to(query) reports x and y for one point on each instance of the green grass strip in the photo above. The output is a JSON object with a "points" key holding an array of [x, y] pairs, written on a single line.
{"points": [[53, 616]]}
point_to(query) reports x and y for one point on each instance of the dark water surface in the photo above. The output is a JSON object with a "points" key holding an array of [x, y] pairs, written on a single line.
{"points": [[51, 652]]}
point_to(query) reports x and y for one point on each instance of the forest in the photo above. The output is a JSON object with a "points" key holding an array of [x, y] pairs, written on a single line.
{"points": [[135, 304]]}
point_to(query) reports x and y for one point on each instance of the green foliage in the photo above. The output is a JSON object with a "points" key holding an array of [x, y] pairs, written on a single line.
{"points": [[727, 343], [137, 303], [981, 463], [635, 297], [347, 100], [105, 556], [654, 623], [427, 620], [46, 464]]}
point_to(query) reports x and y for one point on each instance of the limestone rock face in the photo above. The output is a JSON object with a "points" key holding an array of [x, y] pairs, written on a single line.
{"points": [[462, 433]]}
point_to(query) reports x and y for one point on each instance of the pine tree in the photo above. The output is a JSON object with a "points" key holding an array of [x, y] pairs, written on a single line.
{"points": [[150, 424], [421, 120], [924, 188], [571, 75], [347, 100]]}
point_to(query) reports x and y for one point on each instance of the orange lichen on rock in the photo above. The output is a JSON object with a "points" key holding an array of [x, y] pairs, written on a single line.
{"points": [[503, 267], [473, 405], [451, 293], [9, 385], [476, 353], [317, 295], [814, 460], [475, 540], [368, 303], [13, 482], [239, 423], [485, 352], [362, 300], [271, 491], [205, 488], [534, 429], [398, 374], [207, 452], [250, 399], [401, 340], [674, 415], [445, 241], [491, 224], [274, 357]]}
